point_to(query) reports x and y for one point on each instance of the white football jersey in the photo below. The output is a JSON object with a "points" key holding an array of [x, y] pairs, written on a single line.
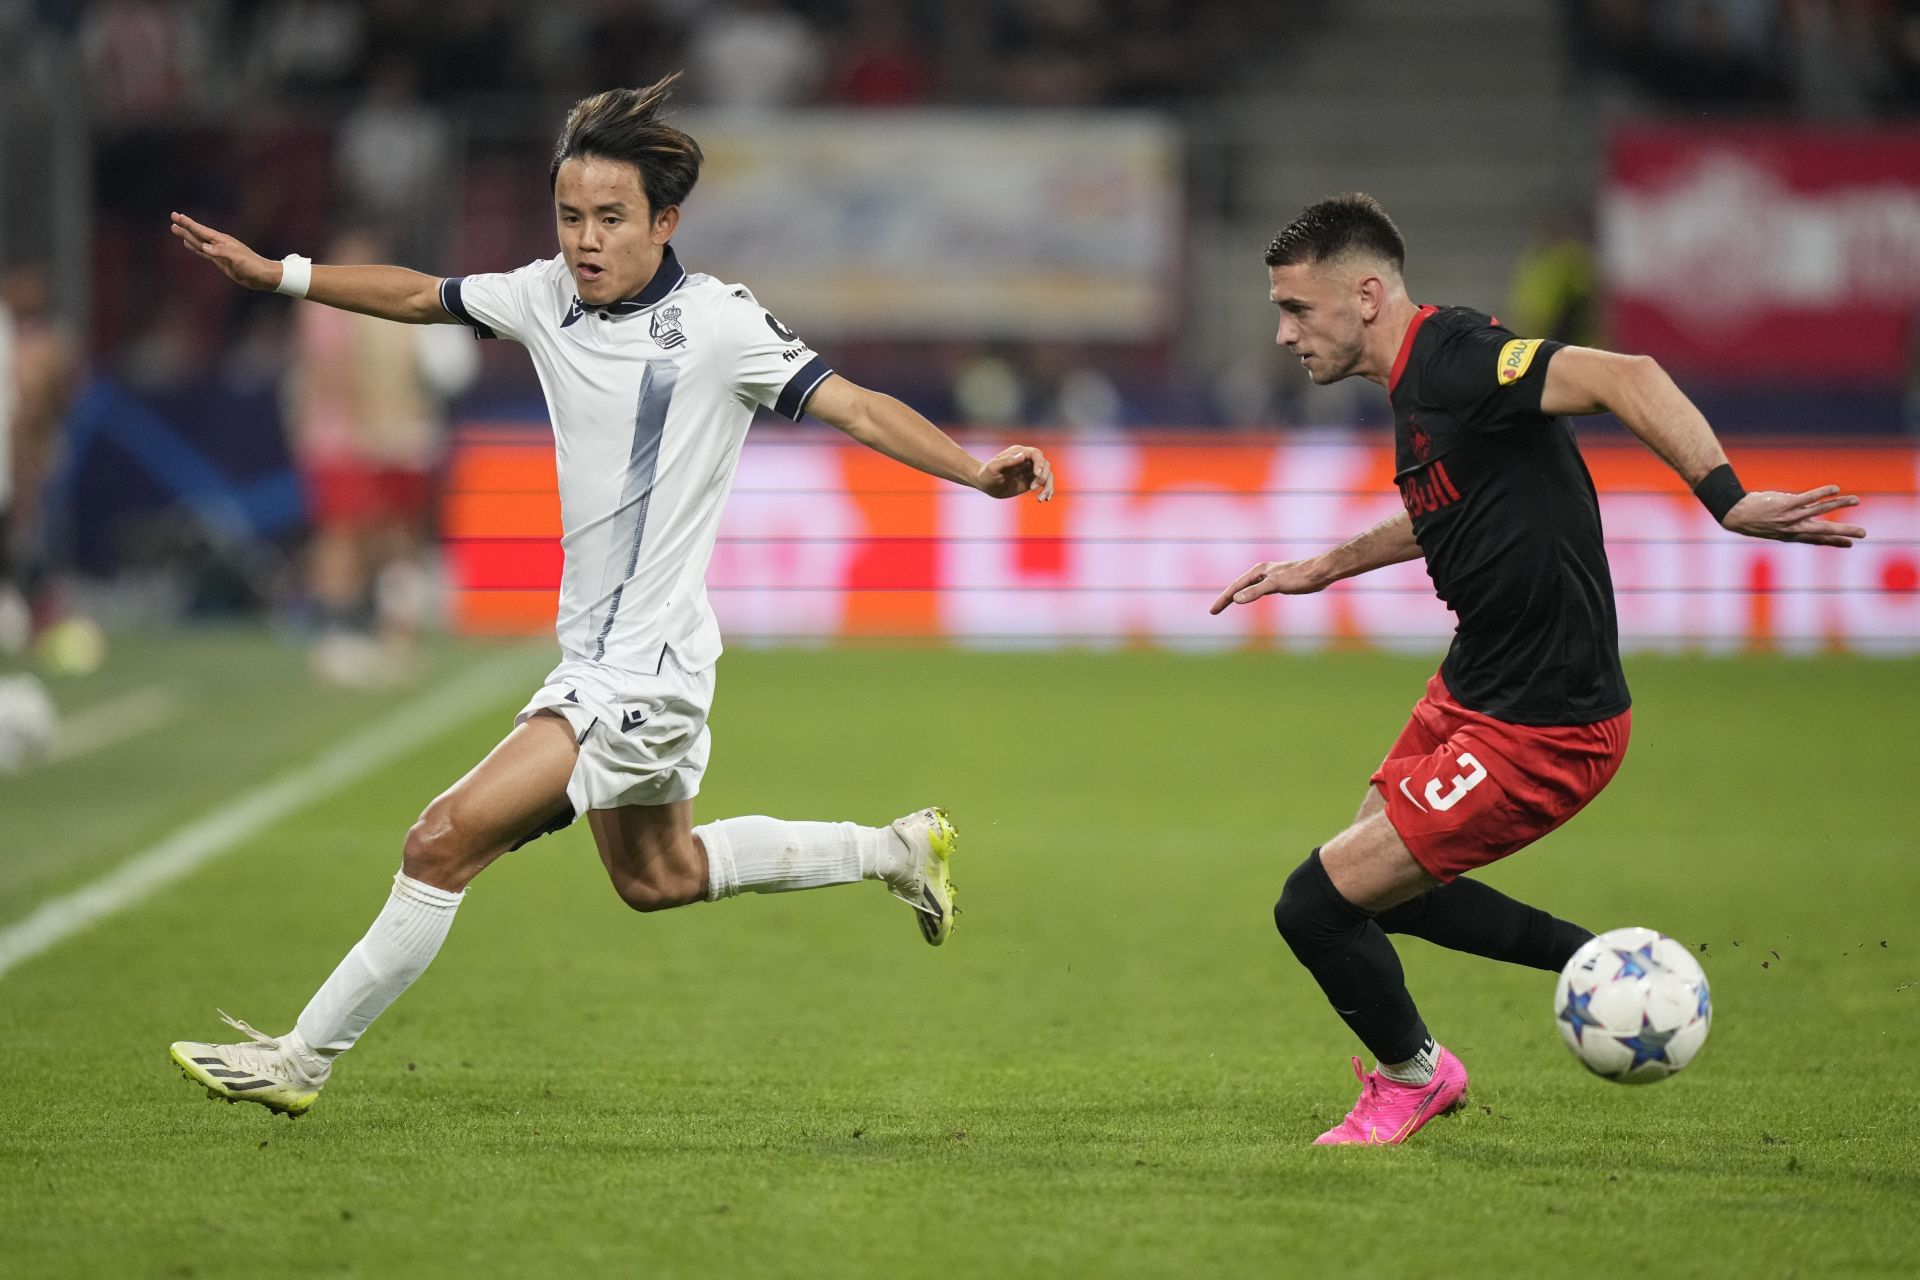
{"points": [[650, 400]]}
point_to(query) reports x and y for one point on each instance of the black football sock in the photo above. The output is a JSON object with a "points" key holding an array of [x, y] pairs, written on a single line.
{"points": [[1353, 962], [1468, 916]]}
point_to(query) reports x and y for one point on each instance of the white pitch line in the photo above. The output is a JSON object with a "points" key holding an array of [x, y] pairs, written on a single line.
{"points": [[140, 876], [113, 721]]}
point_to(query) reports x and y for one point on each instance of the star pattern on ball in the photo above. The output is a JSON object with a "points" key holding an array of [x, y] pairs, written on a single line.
{"points": [[1649, 1045], [1577, 1014], [1635, 964], [1706, 1003]]}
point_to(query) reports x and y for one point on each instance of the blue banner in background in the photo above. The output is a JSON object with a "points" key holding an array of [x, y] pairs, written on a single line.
{"points": [[213, 452]]}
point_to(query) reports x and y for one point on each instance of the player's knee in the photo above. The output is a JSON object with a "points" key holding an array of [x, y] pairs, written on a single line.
{"points": [[640, 894], [652, 892], [1310, 909], [659, 870], [434, 851], [1293, 913]]}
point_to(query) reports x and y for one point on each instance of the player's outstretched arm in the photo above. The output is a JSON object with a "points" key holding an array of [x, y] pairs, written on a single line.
{"points": [[1638, 391], [1389, 542], [884, 424], [392, 293]]}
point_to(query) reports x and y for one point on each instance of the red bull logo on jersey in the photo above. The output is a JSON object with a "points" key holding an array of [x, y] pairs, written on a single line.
{"points": [[1515, 359], [1428, 491], [1421, 441]]}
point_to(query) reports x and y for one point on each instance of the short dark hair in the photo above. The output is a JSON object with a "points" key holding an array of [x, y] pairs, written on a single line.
{"points": [[1328, 228], [624, 124]]}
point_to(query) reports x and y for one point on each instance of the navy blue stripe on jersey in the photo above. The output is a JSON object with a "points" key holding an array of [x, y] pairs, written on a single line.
{"points": [[450, 300], [800, 387], [643, 460]]}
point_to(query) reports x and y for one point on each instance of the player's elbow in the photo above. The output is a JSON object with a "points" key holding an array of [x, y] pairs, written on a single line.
{"points": [[1602, 382], [423, 307], [1641, 370], [1639, 385]]}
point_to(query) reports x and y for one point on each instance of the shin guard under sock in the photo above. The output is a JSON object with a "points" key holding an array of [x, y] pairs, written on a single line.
{"points": [[1352, 960], [405, 937]]}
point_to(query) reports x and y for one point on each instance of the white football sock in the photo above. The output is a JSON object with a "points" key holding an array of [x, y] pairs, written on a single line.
{"points": [[404, 938], [768, 855], [1415, 1070]]}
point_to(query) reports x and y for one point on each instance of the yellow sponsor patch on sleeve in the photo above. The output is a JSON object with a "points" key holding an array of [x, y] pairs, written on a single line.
{"points": [[1515, 358]]}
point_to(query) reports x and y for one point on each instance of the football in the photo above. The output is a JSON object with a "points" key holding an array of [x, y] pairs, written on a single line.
{"points": [[1633, 1006], [29, 724]]}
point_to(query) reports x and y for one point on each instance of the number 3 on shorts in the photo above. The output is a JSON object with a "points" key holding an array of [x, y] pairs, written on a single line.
{"points": [[1475, 774]]}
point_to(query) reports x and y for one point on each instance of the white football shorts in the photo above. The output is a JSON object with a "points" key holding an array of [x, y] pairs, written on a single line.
{"points": [[643, 737]]}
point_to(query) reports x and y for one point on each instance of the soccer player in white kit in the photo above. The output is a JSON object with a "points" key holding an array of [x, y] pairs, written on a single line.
{"points": [[651, 377]]}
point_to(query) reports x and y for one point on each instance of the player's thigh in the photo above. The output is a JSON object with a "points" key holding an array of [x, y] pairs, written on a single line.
{"points": [[519, 786], [1428, 727], [1371, 866], [651, 854]]}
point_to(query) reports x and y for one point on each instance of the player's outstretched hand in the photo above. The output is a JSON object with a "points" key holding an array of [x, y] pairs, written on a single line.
{"points": [[237, 262], [1795, 517], [1015, 471], [1285, 577]]}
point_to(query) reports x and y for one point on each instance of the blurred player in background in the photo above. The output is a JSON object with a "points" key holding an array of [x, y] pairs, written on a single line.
{"points": [[39, 377], [651, 376], [1527, 719], [15, 623], [39, 374], [364, 411]]}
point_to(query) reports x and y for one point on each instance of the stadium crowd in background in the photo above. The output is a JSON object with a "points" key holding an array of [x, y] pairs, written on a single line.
{"points": [[1821, 59], [293, 122], [359, 105], [367, 110], [153, 58]]}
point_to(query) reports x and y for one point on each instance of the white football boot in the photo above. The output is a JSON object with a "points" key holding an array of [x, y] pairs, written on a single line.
{"points": [[257, 1070], [930, 839]]}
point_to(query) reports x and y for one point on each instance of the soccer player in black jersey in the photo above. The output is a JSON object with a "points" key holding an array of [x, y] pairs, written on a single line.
{"points": [[1527, 719]]}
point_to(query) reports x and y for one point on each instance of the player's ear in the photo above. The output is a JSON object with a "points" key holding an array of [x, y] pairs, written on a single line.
{"points": [[664, 223], [1373, 295]]}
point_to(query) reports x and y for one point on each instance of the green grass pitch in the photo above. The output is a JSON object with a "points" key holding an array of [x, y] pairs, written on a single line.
{"points": [[1114, 1069]]}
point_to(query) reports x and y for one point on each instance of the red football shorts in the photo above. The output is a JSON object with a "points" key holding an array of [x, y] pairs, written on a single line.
{"points": [[344, 493], [1464, 789]]}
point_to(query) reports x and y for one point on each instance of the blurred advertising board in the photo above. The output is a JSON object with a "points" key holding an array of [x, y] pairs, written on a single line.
{"points": [[944, 225], [824, 541], [1788, 253]]}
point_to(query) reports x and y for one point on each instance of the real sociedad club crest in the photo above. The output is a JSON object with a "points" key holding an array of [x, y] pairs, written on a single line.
{"points": [[665, 328]]}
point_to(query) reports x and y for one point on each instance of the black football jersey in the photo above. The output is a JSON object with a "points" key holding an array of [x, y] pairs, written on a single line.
{"points": [[1505, 511]]}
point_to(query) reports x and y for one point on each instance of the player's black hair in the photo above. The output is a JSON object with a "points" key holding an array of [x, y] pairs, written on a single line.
{"points": [[624, 124], [1328, 228]]}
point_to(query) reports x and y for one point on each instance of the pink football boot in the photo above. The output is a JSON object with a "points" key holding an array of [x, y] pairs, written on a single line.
{"points": [[1389, 1112]]}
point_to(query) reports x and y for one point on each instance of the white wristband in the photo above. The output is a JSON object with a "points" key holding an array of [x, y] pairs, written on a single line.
{"points": [[296, 273]]}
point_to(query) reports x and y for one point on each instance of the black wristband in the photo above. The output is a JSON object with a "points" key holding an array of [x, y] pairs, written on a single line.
{"points": [[1719, 491]]}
